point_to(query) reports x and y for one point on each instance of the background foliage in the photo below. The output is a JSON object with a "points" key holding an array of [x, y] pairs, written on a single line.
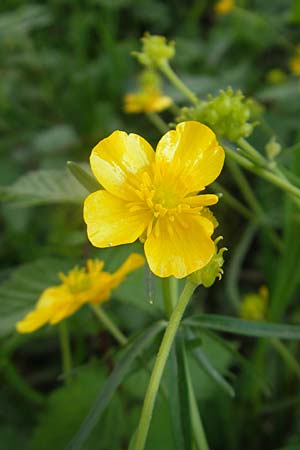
{"points": [[65, 66]]}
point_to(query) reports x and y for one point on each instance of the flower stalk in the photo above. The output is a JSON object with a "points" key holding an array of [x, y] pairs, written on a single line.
{"points": [[170, 294], [160, 362], [66, 354], [109, 324], [176, 81]]}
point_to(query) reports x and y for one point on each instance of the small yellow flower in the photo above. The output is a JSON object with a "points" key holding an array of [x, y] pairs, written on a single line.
{"points": [[223, 6], [153, 196], [294, 65], [81, 285], [149, 100], [254, 306], [275, 76]]}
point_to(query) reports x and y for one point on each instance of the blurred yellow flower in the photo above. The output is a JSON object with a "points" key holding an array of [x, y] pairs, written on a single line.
{"points": [[275, 76], [254, 306], [294, 64], [148, 100], [223, 6], [81, 285], [153, 196]]}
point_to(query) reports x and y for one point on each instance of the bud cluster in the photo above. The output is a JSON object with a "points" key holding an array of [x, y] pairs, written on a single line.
{"points": [[156, 51], [228, 114]]}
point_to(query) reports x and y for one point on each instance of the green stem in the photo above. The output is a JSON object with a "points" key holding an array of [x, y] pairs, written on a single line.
{"points": [[245, 187], [197, 425], [286, 355], [252, 152], [13, 378], [176, 81], [158, 122], [252, 201], [159, 365], [267, 175], [65, 350], [232, 201], [109, 324], [170, 294]]}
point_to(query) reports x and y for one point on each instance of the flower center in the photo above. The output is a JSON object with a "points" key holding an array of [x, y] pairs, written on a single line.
{"points": [[76, 281]]}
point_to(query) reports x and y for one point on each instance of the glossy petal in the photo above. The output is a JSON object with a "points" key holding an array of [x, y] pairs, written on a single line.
{"points": [[190, 155], [119, 161], [133, 262], [66, 309], [159, 103], [33, 320], [110, 221], [181, 247]]}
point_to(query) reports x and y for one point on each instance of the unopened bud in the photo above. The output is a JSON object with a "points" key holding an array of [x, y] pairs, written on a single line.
{"points": [[208, 274]]}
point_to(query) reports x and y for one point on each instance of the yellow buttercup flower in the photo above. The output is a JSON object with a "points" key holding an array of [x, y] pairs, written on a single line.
{"points": [[254, 305], [275, 76], [223, 6], [148, 100], [153, 196], [294, 64], [88, 284]]}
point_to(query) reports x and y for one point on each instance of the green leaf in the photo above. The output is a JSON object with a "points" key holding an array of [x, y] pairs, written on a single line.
{"points": [[173, 399], [294, 446], [20, 292], [245, 327], [205, 364], [44, 187], [114, 380], [183, 390], [248, 366], [66, 408]]}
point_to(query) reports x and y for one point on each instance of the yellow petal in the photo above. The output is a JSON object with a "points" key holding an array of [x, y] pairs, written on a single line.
{"points": [[110, 221], [190, 154], [33, 320], [181, 247], [133, 103], [65, 309], [159, 103], [119, 161], [50, 296], [133, 262]]}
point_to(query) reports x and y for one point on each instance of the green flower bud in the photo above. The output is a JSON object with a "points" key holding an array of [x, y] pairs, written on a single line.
{"points": [[272, 148], [208, 274], [155, 51], [228, 114]]}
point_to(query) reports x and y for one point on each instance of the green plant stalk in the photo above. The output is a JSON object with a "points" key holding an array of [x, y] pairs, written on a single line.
{"points": [[286, 355], [252, 152], [158, 122], [245, 187], [170, 294], [232, 201], [64, 338], [159, 365], [176, 81], [13, 378], [197, 425], [267, 175], [253, 202], [109, 324]]}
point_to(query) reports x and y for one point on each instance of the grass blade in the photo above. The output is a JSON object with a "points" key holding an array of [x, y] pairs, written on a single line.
{"points": [[112, 383], [244, 327]]}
